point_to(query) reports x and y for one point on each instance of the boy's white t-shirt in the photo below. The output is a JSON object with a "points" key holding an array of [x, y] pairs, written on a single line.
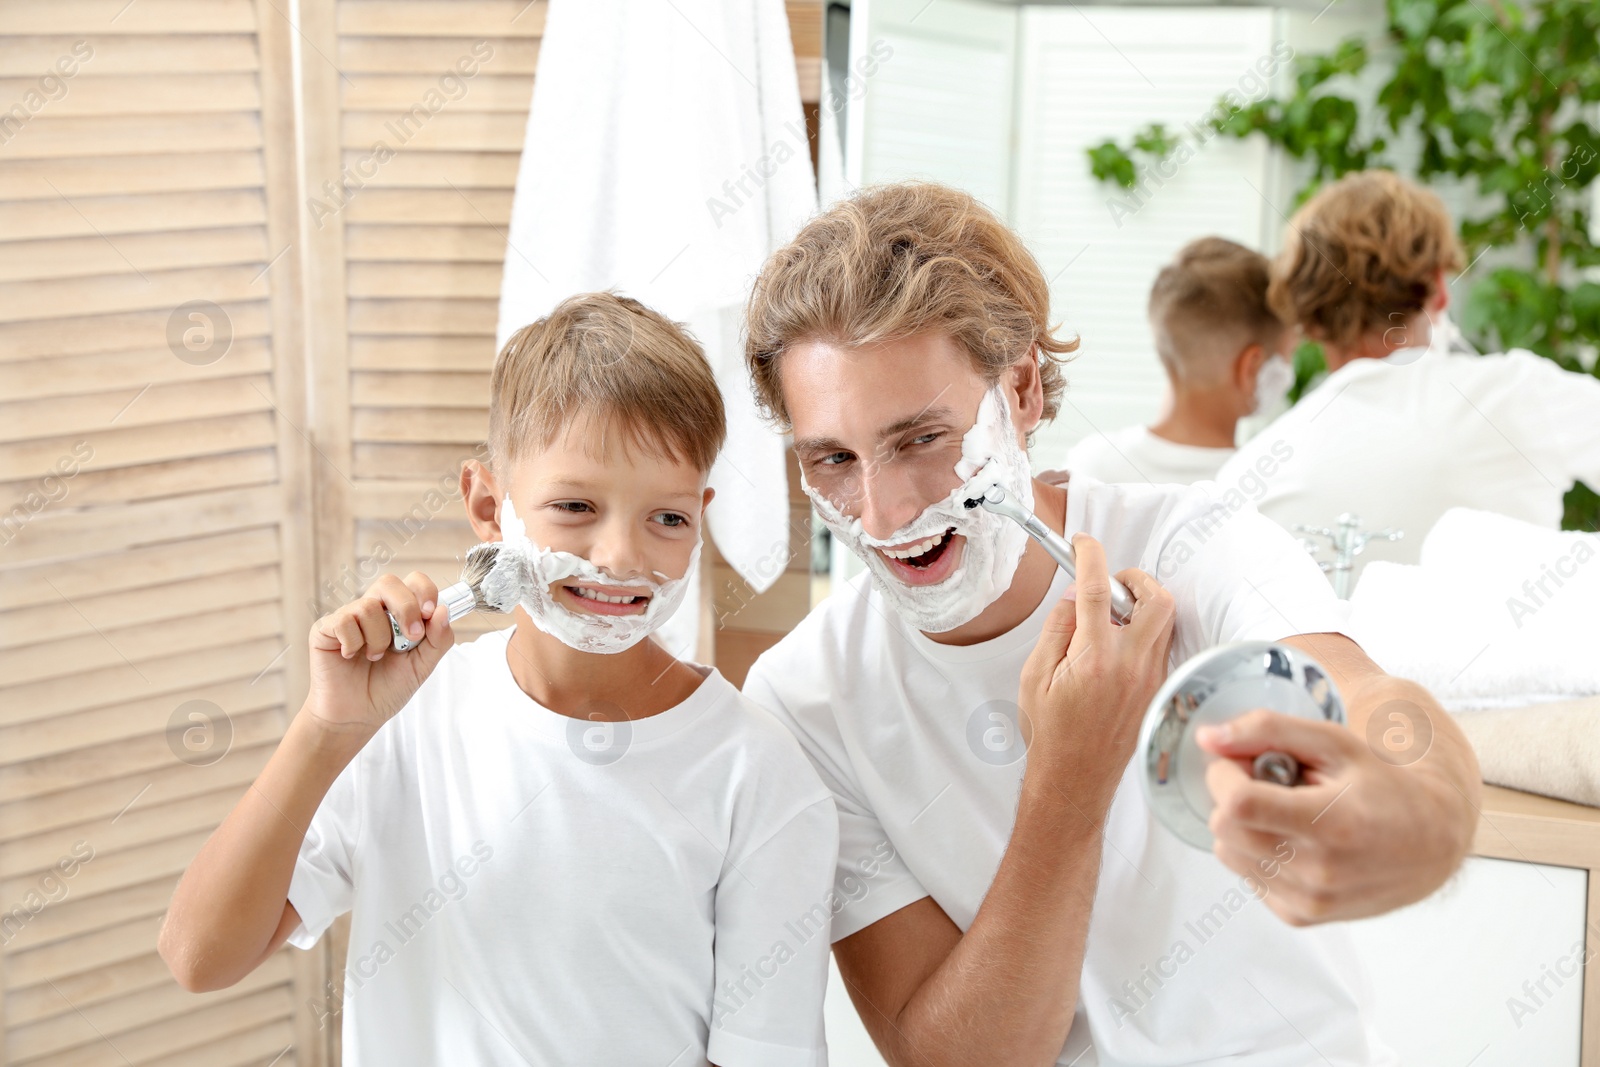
{"points": [[1134, 454], [532, 888], [919, 743]]}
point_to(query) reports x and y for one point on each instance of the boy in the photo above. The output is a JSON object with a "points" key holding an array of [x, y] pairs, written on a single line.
{"points": [[568, 847], [1226, 357]]}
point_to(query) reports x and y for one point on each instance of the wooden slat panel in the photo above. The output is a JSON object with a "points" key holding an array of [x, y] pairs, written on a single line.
{"points": [[454, 130], [113, 645], [74, 17], [57, 779], [113, 293], [65, 375], [405, 55], [152, 53], [107, 798], [467, 207], [109, 216], [423, 316], [132, 994], [150, 405], [448, 244], [369, 389], [137, 568], [419, 424], [77, 915], [36, 179], [173, 674], [76, 257], [121, 448], [479, 281], [43, 1002], [145, 824], [406, 462], [408, 169], [442, 18], [143, 607], [53, 535], [226, 1018], [461, 352], [47, 136], [147, 94], [147, 481], [483, 91], [139, 331]]}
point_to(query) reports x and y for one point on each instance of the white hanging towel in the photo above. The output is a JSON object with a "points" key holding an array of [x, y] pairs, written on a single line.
{"points": [[666, 157]]}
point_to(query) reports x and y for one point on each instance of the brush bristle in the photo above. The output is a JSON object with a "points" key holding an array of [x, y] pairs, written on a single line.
{"points": [[480, 563]]}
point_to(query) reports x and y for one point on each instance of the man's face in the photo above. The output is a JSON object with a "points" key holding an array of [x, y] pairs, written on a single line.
{"points": [[878, 432], [628, 509]]}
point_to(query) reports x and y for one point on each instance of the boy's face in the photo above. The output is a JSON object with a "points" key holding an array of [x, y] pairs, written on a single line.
{"points": [[878, 431], [632, 511]]}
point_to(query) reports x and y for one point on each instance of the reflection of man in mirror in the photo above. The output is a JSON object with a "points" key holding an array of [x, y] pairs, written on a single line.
{"points": [[904, 337], [1170, 732]]}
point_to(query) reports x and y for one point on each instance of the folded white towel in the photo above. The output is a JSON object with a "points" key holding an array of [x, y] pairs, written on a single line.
{"points": [[1499, 613]]}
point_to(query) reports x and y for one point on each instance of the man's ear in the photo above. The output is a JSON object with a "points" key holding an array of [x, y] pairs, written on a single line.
{"points": [[1027, 393], [481, 493], [1439, 299]]}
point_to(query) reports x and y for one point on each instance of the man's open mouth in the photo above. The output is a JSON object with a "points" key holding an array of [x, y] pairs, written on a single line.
{"points": [[923, 554]]}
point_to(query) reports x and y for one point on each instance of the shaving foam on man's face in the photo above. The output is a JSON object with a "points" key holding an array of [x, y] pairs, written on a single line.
{"points": [[579, 506], [944, 567]]}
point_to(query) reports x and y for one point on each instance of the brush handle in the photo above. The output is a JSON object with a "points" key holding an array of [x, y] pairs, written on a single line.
{"points": [[457, 599]]}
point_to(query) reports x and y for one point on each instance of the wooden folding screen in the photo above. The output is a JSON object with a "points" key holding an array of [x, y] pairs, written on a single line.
{"points": [[154, 540]]}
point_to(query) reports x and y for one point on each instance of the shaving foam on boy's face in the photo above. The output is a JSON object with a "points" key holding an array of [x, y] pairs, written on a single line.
{"points": [[577, 603], [944, 567]]}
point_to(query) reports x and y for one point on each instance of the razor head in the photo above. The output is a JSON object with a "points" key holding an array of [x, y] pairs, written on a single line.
{"points": [[993, 495]]}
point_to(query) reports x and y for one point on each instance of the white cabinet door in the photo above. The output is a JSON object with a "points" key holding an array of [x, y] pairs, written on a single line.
{"points": [[1486, 972]]}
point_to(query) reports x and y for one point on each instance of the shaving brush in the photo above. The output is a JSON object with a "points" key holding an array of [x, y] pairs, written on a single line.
{"points": [[487, 584]]}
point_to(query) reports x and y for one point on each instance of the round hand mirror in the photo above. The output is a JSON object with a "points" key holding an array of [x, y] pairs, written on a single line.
{"points": [[1214, 686]]}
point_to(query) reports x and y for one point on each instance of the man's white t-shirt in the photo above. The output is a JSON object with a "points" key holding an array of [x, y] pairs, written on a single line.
{"points": [[1134, 454], [1401, 444], [918, 742], [532, 888]]}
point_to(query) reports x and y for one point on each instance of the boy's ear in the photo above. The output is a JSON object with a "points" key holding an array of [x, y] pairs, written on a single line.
{"points": [[705, 499], [1247, 364], [481, 494]]}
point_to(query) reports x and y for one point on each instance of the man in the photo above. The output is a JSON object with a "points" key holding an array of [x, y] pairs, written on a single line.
{"points": [[1403, 428], [1225, 354], [996, 909]]}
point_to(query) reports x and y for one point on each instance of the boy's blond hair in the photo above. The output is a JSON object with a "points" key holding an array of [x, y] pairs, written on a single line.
{"points": [[898, 260], [1207, 305], [613, 362], [1361, 256]]}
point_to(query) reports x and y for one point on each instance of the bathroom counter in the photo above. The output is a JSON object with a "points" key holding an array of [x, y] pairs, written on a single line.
{"points": [[1535, 829]]}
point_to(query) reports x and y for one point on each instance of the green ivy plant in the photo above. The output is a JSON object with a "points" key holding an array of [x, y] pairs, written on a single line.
{"points": [[1500, 95]]}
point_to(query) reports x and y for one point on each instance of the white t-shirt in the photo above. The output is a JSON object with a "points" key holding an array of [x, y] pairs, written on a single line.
{"points": [[528, 888], [1134, 454], [1399, 445], [919, 744]]}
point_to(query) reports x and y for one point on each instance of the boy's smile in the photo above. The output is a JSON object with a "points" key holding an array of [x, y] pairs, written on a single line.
{"points": [[603, 599]]}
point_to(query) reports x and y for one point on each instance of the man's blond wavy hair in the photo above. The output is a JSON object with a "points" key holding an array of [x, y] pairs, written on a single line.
{"points": [[898, 260], [1363, 256]]}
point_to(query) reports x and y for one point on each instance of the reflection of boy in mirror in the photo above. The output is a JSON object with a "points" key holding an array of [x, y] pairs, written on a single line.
{"points": [[1225, 354]]}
